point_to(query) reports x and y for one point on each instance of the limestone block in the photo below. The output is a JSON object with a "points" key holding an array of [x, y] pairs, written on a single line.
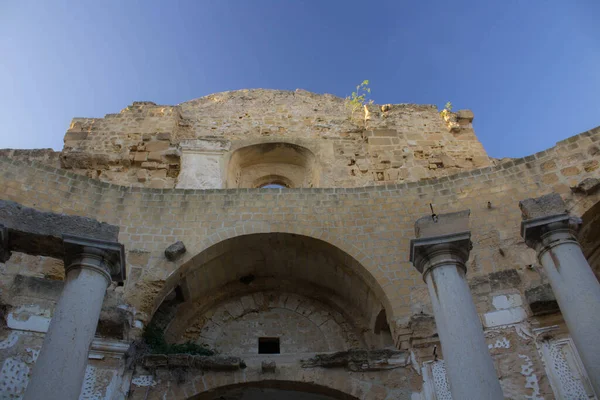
{"points": [[541, 300], [155, 156], [158, 173], [163, 136], [443, 224], [180, 360], [505, 279], [200, 171], [140, 156], [30, 318], [268, 366], [75, 136], [363, 164], [142, 175], [587, 186], [150, 165], [174, 251], [465, 114], [503, 302], [218, 363], [544, 206], [155, 360], [154, 146], [504, 317]]}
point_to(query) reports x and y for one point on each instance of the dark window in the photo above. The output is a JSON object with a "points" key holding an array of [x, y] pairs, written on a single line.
{"points": [[268, 345]]}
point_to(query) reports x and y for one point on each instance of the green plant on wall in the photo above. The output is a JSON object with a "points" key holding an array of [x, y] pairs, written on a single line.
{"points": [[447, 109], [154, 338], [358, 99]]}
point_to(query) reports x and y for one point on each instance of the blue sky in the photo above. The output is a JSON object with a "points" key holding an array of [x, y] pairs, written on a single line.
{"points": [[529, 69]]}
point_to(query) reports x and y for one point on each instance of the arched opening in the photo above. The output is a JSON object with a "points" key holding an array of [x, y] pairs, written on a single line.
{"points": [[274, 390], [283, 164], [589, 237], [305, 293]]}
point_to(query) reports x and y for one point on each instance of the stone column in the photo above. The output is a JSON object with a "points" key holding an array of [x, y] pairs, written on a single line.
{"points": [[440, 253], [551, 232], [60, 368]]}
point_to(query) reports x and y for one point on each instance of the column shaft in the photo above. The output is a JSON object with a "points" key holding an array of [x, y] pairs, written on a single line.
{"points": [[577, 292], [60, 368], [469, 365]]}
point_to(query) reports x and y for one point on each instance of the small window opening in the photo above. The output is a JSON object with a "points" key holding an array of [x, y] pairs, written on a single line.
{"points": [[274, 186], [268, 345]]}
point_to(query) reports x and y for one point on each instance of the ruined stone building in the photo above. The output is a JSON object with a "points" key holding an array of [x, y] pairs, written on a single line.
{"points": [[264, 244]]}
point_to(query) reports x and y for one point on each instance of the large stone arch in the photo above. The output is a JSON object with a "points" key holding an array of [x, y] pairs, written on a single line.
{"points": [[377, 279], [360, 299], [285, 385], [589, 237], [337, 383]]}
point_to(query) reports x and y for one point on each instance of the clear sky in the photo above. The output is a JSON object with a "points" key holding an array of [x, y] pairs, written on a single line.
{"points": [[529, 69]]}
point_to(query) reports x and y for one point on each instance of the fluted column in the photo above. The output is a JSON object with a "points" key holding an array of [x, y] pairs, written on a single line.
{"points": [[60, 368], [574, 284], [440, 254]]}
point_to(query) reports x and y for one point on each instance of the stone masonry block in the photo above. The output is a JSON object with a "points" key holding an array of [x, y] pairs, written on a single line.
{"points": [[442, 224], [174, 251], [41, 233], [544, 206], [465, 114], [541, 300], [587, 186]]}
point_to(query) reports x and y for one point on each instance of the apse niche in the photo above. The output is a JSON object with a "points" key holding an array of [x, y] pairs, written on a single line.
{"points": [[273, 165]]}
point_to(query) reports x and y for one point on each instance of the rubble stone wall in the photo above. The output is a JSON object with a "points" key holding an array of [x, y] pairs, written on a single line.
{"points": [[143, 144]]}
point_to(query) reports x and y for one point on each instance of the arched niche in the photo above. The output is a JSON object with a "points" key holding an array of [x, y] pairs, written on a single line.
{"points": [[283, 164], [304, 280]]}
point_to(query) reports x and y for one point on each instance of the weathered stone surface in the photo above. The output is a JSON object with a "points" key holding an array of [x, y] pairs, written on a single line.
{"points": [[268, 366], [587, 186], [180, 360], [174, 251], [504, 279], [218, 363], [41, 233], [359, 360], [544, 206], [442, 224], [155, 360], [465, 114], [541, 300]]}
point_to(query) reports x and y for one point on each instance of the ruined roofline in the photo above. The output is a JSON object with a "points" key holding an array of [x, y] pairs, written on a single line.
{"points": [[297, 92], [508, 164]]}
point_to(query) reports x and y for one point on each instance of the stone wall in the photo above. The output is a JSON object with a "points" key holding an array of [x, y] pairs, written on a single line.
{"points": [[362, 258], [142, 145]]}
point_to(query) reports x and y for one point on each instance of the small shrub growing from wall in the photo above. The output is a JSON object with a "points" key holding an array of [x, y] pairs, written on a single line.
{"points": [[155, 339]]}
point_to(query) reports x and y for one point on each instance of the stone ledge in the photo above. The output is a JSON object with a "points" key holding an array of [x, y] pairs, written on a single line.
{"points": [[358, 360], [206, 363]]}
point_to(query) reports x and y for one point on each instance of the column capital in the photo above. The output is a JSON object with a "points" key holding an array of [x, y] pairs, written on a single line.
{"points": [[106, 257], [543, 233], [4, 249], [431, 252]]}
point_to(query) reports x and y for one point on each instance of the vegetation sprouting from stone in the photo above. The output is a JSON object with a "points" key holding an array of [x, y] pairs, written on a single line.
{"points": [[358, 99], [154, 337]]}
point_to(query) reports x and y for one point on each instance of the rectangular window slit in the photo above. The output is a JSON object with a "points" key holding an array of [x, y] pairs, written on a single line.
{"points": [[268, 345]]}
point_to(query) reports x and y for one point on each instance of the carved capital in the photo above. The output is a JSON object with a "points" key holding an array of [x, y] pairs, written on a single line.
{"points": [[545, 232], [4, 250], [102, 256], [429, 253]]}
